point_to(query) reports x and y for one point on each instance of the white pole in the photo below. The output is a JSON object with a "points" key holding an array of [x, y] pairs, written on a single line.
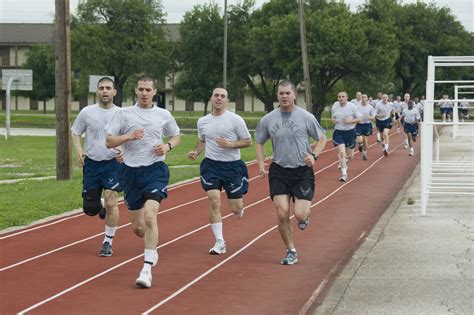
{"points": [[455, 112], [7, 123]]}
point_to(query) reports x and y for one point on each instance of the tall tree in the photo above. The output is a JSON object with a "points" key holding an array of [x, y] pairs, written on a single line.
{"points": [[119, 38], [40, 59], [200, 54], [421, 30]]}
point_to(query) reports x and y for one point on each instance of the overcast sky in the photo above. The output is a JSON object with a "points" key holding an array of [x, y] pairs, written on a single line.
{"points": [[42, 11]]}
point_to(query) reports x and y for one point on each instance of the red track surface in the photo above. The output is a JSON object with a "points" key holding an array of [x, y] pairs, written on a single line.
{"points": [[55, 269]]}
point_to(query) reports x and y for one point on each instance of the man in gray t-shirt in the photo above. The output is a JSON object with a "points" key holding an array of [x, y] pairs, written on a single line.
{"points": [[291, 174], [222, 134]]}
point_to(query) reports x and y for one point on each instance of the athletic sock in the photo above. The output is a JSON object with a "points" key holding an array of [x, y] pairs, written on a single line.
{"points": [[217, 230], [109, 234], [344, 171], [385, 146], [149, 256]]}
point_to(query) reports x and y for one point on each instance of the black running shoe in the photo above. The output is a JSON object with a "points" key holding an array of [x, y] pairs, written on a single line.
{"points": [[385, 152], [105, 250]]}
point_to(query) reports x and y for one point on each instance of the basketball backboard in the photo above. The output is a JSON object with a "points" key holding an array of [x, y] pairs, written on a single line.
{"points": [[23, 79]]}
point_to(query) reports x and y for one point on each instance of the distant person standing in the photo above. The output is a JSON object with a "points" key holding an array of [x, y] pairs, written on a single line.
{"points": [[383, 120], [345, 116], [291, 175], [446, 108], [411, 118], [101, 165], [364, 127], [222, 134], [464, 109], [140, 130]]}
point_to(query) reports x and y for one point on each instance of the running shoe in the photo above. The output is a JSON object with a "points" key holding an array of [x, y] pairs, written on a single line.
{"points": [[144, 279], [364, 157], [290, 259], [218, 248], [385, 152], [106, 250], [343, 178], [303, 224], [412, 152]]}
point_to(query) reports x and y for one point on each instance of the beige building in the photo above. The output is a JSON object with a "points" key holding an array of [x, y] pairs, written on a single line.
{"points": [[17, 38]]}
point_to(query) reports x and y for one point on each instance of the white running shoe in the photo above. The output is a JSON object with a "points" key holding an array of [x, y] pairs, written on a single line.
{"points": [[343, 178], [144, 279], [218, 248], [412, 152]]}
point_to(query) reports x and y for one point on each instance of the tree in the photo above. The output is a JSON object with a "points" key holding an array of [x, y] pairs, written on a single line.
{"points": [[421, 30], [200, 54], [40, 59], [119, 38], [252, 47]]}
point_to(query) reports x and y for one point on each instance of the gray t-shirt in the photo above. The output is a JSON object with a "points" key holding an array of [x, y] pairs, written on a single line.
{"points": [[290, 134], [91, 120], [156, 122], [411, 115], [339, 113], [366, 111], [383, 109], [443, 103], [230, 126], [398, 106]]}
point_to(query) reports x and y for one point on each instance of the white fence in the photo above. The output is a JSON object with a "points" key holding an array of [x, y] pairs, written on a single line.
{"points": [[448, 177]]}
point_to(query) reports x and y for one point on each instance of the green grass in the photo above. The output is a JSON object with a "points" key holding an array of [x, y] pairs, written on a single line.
{"points": [[25, 157]]}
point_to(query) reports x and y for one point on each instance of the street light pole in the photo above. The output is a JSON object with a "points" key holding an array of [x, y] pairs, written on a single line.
{"points": [[304, 55], [224, 80]]}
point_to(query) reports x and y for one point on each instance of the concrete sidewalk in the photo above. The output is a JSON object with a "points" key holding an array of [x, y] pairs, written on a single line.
{"points": [[413, 264]]}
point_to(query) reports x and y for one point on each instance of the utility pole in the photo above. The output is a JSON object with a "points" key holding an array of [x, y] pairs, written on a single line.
{"points": [[304, 55], [224, 80], [63, 91]]}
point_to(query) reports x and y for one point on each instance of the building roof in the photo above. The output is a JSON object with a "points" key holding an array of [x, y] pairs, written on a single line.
{"points": [[36, 33], [26, 33]]}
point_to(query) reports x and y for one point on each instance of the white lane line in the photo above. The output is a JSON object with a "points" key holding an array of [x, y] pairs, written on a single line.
{"points": [[195, 280], [124, 263], [136, 257]]}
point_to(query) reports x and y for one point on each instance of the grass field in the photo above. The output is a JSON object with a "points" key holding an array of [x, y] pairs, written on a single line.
{"points": [[29, 157]]}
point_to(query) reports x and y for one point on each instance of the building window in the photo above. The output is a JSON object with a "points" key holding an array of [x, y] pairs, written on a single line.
{"points": [[4, 56]]}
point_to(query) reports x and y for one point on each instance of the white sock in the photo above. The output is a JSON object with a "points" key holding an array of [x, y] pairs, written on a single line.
{"points": [[385, 146], [344, 171], [217, 230], [149, 257], [109, 234]]}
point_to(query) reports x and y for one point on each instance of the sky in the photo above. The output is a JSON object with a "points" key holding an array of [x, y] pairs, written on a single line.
{"points": [[42, 11]]}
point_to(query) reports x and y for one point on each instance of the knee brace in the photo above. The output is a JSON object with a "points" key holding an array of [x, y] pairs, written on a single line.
{"points": [[91, 201]]}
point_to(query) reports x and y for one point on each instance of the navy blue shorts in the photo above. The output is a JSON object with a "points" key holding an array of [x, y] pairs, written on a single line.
{"points": [[464, 111], [101, 175], [364, 129], [411, 128], [383, 124], [297, 182], [446, 110], [136, 181], [232, 176], [346, 137]]}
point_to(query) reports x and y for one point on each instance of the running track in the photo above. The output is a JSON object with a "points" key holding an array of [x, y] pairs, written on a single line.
{"points": [[53, 268]]}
